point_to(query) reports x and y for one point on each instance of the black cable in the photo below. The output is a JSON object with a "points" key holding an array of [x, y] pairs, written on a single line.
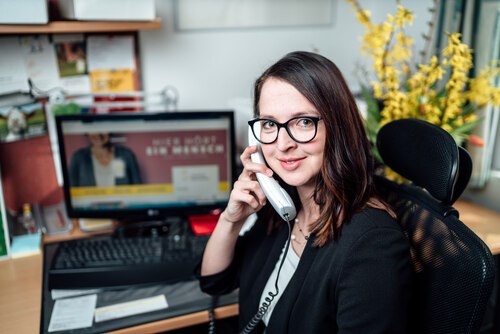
{"points": [[267, 300], [211, 314]]}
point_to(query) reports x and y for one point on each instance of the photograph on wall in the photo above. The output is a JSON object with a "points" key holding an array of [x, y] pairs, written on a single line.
{"points": [[24, 121], [71, 58], [72, 62]]}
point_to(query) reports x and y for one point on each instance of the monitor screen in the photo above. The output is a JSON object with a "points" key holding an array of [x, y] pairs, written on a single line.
{"points": [[145, 165]]}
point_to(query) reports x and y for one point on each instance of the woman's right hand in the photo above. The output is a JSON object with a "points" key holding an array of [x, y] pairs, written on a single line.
{"points": [[247, 196]]}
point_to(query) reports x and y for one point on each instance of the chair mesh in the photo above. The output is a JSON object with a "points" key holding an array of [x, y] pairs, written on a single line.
{"points": [[454, 269], [423, 153]]}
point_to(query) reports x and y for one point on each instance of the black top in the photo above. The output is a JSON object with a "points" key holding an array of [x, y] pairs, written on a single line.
{"points": [[360, 283]]}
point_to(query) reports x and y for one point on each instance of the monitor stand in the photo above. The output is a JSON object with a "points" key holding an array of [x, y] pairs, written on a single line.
{"points": [[172, 225], [91, 224]]}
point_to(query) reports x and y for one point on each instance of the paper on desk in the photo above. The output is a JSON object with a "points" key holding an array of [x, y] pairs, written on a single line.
{"points": [[72, 313], [59, 294], [130, 308]]}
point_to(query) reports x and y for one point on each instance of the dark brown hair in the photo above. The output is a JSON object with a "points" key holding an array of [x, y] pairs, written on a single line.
{"points": [[345, 183]]}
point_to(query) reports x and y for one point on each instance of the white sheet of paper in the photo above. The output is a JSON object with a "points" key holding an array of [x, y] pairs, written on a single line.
{"points": [[59, 294], [41, 62], [130, 308], [13, 75], [72, 313], [78, 84], [110, 52]]}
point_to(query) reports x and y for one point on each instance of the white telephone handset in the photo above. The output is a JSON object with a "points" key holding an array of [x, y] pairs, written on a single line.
{"points": [[276, 195]]}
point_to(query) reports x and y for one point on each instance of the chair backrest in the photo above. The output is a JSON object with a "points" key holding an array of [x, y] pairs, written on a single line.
{"points": [[454, 269]]}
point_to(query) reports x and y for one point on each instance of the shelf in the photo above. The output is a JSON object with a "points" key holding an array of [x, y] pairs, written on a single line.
{"points": [[60, 27]]}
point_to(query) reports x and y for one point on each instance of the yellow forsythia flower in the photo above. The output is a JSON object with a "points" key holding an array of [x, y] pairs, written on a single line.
{"points": [[439, 91]]}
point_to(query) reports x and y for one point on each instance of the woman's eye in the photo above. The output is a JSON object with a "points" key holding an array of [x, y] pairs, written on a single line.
{"points": [[268, 125], [304, 122]]}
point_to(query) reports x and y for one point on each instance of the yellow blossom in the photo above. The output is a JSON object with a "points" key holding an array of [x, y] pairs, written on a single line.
{"points": [[439, 91], [403, 16]]}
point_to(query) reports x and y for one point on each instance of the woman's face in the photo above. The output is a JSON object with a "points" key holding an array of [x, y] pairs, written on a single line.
{"points": [[297, 164], [98, 139]]}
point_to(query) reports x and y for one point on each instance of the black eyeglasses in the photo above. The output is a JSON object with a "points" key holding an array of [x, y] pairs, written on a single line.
{"points": [[302, 129]]}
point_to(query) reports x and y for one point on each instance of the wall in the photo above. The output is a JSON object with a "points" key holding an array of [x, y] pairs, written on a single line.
{"points": [[217, 68]]}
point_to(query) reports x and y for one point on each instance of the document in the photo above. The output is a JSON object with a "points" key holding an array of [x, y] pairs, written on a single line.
{"points": [[59, 294], [112, 81], [110, 52], [13, 76], [72, 313], [111, 63], [130, 308], [41, 61]]}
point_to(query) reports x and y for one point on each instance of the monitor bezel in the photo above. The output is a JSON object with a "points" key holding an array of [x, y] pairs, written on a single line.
{"points": [[143, 214]]}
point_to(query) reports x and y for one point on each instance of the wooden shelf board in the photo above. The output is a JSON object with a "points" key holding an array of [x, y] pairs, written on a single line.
{"points": [[79, 26]]}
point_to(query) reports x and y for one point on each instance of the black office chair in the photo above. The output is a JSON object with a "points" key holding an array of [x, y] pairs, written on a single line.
{"points": [[454, 269]]}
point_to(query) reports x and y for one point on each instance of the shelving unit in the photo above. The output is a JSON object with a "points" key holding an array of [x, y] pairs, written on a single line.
{"points": [[60, 27]]}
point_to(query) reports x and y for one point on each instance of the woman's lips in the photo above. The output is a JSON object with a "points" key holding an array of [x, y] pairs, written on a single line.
{"points": [[290, 164]]}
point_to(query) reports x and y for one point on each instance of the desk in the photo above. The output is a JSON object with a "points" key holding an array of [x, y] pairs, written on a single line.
{"points": [[21, 284], [484, 222], [20, 294], [21, 297]]}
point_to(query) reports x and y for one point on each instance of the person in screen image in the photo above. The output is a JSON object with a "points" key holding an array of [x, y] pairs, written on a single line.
{"points": [[103, 164], [347, 268]]}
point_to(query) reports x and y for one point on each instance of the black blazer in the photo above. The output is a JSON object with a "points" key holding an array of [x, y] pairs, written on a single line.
{"points": [[360, 283]]}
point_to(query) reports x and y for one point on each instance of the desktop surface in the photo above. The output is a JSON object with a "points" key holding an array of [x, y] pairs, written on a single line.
{"points": [[20, 294], [21, 302], [182, 292]]}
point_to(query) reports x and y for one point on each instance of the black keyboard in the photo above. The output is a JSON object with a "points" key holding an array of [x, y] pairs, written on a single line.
{"points": [[105, 261]]}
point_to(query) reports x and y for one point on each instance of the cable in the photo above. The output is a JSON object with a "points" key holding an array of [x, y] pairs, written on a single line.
{"points": [[267, 301], [211, 315]]}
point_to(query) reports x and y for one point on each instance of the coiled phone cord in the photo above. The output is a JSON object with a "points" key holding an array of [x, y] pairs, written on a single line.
{"points": [[267, 300], [211, 314]]}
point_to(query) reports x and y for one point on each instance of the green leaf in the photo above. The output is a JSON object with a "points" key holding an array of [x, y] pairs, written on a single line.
{"points": [[373, 111], [466, 128], [441, 93]]}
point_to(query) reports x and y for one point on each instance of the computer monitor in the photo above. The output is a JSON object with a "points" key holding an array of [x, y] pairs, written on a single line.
{"points": [[138, 166]]}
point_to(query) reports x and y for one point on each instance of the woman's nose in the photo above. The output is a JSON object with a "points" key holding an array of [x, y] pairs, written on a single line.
{"points": [[284, 141]]}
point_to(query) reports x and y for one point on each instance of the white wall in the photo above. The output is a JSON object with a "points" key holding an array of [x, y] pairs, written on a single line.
{"points": [[216, 68]]}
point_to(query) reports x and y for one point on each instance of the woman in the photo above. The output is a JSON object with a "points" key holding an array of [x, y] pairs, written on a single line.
{"points": [[103, 164], [348, 267]]}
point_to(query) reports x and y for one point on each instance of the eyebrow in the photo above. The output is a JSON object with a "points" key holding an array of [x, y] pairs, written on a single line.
{"points": [[309, 113]]}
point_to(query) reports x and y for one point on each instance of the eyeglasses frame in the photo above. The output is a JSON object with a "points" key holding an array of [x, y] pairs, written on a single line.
{"points": [[314, 119]]}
